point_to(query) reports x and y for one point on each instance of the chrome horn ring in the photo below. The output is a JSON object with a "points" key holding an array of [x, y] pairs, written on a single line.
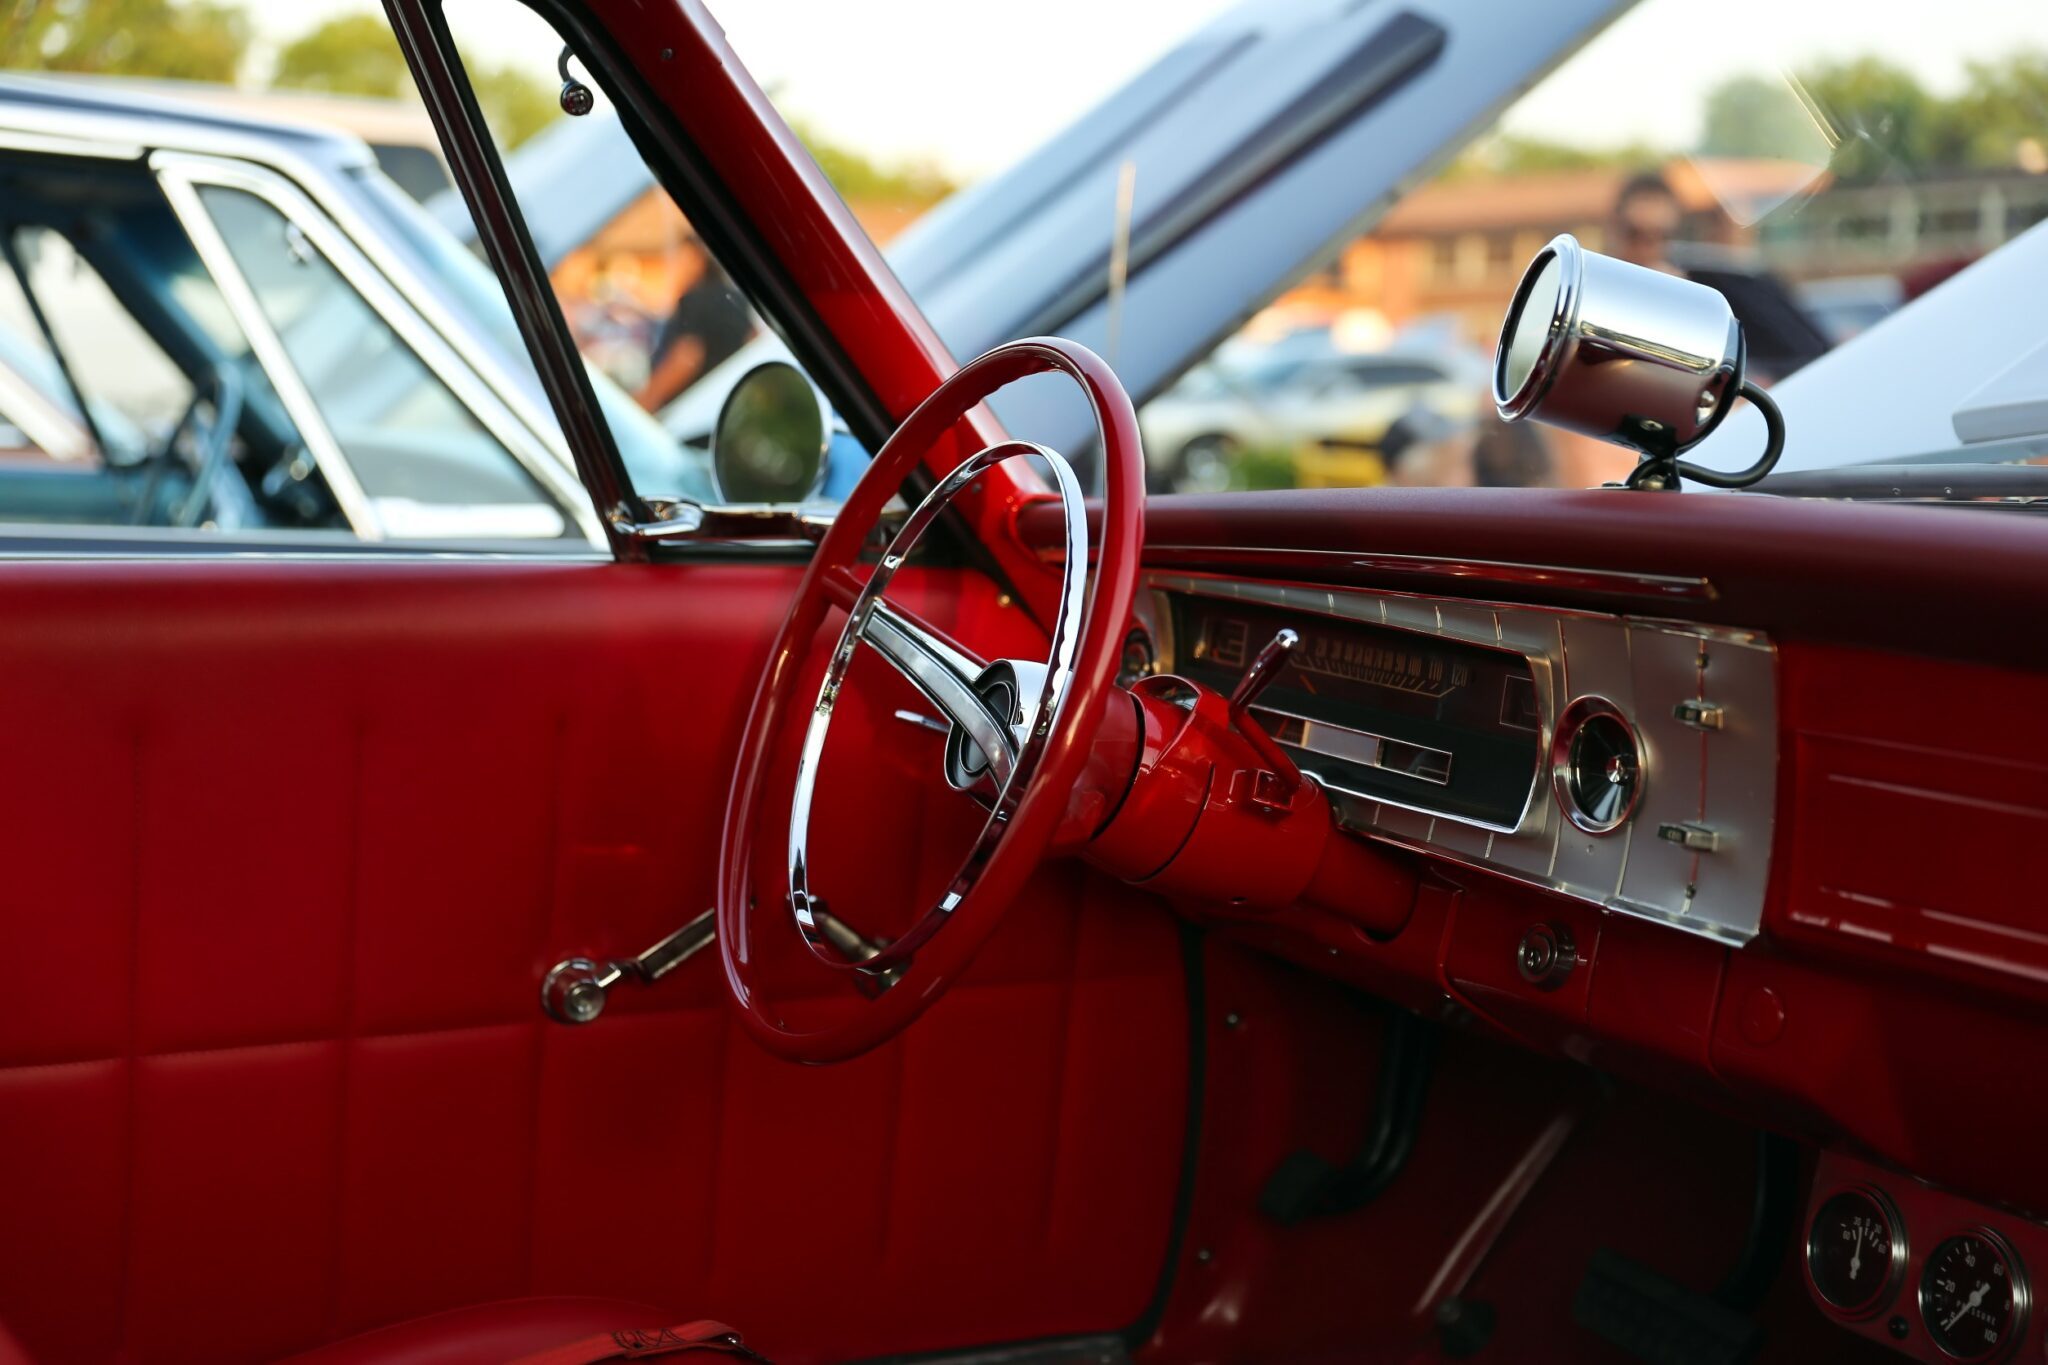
{"points": [[1011, 745]]}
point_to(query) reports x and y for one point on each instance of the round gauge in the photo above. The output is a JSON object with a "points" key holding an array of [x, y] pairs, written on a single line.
{"points": [[1595, 765], [1855, 1252], [1973, 1296], [1138, 660]]}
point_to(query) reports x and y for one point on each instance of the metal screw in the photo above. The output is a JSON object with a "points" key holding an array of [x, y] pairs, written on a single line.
{"points": [[1203, 1255], [1232, 1019], [668, 54]]}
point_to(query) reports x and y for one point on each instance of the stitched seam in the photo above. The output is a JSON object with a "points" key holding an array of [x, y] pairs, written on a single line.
{"points": [[345, 1072], [550, 920], [131, 1100]]}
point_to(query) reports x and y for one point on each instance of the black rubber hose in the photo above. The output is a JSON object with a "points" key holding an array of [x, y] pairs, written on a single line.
{"points": [[1774, 446]]}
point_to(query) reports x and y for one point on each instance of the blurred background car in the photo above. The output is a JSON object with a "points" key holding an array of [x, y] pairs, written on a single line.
{"points": [[1322, 421]]}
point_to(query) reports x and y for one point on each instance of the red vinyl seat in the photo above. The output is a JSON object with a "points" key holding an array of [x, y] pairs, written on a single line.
{"points": [[491, 1333]]}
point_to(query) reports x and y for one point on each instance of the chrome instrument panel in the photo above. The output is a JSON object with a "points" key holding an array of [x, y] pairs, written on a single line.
{"points": [[1694, 852]]}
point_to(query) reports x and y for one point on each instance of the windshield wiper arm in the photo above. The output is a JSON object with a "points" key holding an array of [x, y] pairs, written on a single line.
{"points": [[1960, 483]]}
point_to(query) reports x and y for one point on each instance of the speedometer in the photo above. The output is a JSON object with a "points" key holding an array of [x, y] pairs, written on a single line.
{"points": [[1973, 1296]]}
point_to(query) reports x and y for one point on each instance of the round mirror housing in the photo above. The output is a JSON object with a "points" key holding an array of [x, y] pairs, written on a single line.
{"points": [[1617, 351], [772, 434]]}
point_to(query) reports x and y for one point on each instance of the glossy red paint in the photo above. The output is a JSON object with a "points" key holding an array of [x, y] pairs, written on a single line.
{"points": [[748, 911], [1824, 572], [296, 841], [1200, 827]]}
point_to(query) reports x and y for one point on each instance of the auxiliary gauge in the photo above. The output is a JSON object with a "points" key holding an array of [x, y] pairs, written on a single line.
{"points": [[1973, 1296], [1856, 1252]]}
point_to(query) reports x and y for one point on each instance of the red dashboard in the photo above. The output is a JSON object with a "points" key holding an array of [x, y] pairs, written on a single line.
{"points": [[1874, 978]]}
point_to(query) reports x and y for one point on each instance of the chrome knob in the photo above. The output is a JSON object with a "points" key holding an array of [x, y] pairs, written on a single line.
{"points": [[573, 992], [1546, 956]]}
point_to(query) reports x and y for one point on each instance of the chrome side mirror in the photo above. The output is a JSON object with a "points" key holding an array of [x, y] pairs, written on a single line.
{"points": [[771, 438], [1630, 355]]}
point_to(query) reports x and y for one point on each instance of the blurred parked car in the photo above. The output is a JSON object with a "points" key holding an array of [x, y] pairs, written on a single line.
{"points": [[334, 361], [1327, 414]]}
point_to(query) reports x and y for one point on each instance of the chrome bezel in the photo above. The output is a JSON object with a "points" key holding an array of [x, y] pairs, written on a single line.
{"points": [[1895, 1273], [2022, 1296], [1571, 262], [1570, 721]]}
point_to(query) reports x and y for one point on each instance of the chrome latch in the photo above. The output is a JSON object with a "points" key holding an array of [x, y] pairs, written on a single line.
{"points": [[574, 991], [1701, 715], [1698, 838]]}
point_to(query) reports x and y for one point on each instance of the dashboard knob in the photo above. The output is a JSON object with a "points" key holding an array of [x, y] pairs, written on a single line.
{"points": [[1546, 956]]}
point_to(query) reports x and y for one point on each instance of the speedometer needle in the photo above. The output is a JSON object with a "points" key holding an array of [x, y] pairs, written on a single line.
{"points": [[1976, 1297]]}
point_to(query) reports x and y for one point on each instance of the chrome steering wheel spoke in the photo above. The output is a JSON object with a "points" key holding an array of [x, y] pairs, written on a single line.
{"points": [[1000, 714], [946, 677]]}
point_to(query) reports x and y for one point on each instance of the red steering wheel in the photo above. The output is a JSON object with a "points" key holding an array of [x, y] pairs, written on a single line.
{"points": [[1020, 730]]}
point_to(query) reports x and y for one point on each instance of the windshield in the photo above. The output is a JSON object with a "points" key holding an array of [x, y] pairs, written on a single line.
{"points": [[1826, 165]]}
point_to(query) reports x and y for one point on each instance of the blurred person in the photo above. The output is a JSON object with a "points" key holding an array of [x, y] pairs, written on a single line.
{"points": [[1645, 218], [708, 324]]}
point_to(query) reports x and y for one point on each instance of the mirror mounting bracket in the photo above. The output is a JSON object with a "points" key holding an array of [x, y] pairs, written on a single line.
{"points": [[681, 519]]}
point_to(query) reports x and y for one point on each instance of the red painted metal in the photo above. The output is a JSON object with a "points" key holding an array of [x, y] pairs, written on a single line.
{"points": [[677, 48], [748, 911], [1949, 582]]}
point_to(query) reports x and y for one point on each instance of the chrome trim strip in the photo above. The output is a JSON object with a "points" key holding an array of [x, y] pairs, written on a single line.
{"points": [[1310, 725], [1616, 582]]}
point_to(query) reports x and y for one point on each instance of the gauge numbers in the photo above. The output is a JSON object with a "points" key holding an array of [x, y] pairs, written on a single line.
{"points": [[1973, 1298], [1852, 1254]]}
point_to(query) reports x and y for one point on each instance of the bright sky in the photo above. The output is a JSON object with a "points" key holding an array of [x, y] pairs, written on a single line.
{"points": [[973, 85]]}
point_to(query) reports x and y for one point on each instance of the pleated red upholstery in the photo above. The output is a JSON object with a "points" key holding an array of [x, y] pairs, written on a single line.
{"points": [[284, 850]]}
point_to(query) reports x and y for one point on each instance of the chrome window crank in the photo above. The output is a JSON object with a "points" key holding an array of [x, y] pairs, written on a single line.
{"points": [[574, 991]]}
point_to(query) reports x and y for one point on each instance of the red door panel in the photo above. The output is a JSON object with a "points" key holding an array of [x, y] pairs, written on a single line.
{"points": [[284, 849]]}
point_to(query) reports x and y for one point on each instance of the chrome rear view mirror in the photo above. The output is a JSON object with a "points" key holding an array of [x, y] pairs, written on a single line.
{"points": [[1627, 354], [773, 434]]}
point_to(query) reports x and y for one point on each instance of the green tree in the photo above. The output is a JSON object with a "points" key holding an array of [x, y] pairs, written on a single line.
{"points": [[352, 54], [1884, 120], [1499, 154], [355, 54], [202, 40], [1755, 116], [515, 104], [2002, 103]]}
